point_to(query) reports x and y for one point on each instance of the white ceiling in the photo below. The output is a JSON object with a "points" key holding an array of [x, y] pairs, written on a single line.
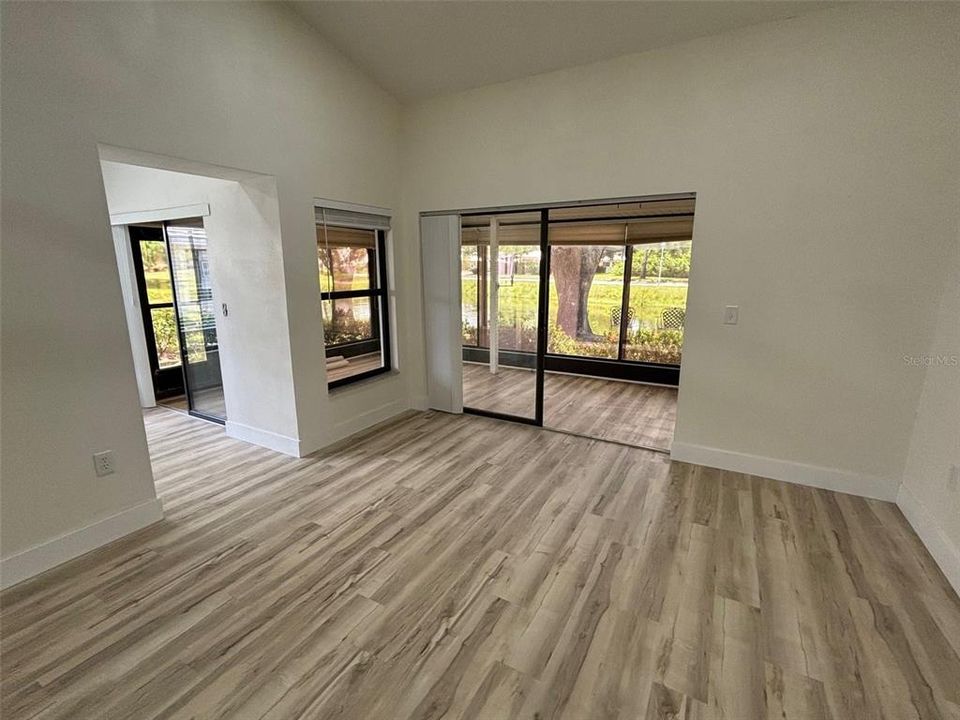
{"points": [[417, 49]]}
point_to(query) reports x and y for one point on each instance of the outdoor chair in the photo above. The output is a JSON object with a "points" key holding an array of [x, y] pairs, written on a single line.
{"points": [[672, 318], [615, 316]]}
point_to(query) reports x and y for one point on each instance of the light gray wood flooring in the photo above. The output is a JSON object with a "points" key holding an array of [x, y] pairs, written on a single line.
{"points": [[461, 567]]}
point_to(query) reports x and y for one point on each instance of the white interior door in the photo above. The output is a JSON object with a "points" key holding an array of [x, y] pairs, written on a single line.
{"points": [[440, 267]]}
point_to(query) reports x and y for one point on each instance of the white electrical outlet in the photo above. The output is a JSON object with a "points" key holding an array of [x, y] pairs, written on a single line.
{"points": [[953, 482], [103, 463], [731, 314]]}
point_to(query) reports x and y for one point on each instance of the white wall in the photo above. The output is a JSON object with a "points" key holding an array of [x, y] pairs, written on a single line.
{"points": [[239, 85], [824, 153], [928, 499]]}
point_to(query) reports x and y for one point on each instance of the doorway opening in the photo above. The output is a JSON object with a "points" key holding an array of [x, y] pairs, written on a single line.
{"points": [[573, 316], [208, 286], [174, 285]]}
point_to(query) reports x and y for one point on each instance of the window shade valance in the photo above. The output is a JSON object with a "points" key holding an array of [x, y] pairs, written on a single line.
{"points": [[635, 232], [339, 217], [345, 237]]}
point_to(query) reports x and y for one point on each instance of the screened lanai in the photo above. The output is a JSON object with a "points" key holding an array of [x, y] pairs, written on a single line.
{"points": [[607, 304]]}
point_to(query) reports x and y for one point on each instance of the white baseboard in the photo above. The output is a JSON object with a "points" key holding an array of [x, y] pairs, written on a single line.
{"points": [[43, 557], [353, 426], [368, 419], [263, 438], [793, 472], [944, 552]]}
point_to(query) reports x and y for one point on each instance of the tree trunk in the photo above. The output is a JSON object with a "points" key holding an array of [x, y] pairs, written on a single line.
{"points": [[565, 266], [589, 261], [573, 270]]}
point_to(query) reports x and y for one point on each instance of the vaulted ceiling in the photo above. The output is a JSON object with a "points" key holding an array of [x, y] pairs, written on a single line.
{"points": [[419, 49]]}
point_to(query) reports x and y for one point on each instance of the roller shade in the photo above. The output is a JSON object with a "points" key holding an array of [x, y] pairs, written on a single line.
{"points": [[346, 237], [351, 219], [631, 232], [506, 235], [638, 232]]}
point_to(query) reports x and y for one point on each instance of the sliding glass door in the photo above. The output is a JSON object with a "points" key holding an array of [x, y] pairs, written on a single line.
{"points": [[595, 291], [196, 317]]}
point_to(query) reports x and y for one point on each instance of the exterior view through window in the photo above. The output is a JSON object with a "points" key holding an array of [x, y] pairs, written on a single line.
{"points": [[352, 273], [594, 266], [614, 280], [159, 291]]}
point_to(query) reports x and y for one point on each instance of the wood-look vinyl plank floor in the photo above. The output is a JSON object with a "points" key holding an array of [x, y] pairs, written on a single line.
{"points": [[209, 401], [510, 391], [459, 567], [631, 413]]}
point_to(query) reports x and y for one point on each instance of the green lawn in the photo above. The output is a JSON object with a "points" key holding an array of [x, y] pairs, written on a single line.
{"points": [[518, 302]]}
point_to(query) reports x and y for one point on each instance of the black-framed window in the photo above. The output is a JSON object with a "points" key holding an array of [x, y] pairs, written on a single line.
{"points": [[353, 298]]}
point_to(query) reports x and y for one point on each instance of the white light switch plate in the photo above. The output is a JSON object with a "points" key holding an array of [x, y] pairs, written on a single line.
{"points": [[731, 314]]}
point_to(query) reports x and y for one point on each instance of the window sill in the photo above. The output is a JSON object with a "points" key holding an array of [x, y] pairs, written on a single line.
{"points": [[359, 379]]}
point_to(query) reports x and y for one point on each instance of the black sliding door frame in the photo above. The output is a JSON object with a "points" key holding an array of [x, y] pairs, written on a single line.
{"points": [[543, 314]]}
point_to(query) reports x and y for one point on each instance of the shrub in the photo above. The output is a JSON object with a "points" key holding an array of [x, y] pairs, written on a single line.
{"points": [[660, 346], [343, 327], [165, 336], [562, 344], [523, 338]]}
